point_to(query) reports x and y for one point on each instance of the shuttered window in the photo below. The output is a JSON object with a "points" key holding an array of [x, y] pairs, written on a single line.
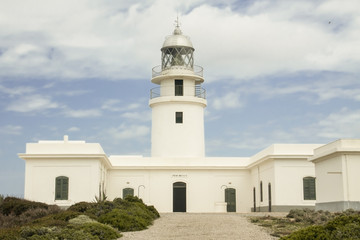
{"points": [[309, 188], [128, 192], [261, 192], [61, 188]]}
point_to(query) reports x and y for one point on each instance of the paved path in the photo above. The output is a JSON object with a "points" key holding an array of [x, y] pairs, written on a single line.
{"points": [[199, 226]]}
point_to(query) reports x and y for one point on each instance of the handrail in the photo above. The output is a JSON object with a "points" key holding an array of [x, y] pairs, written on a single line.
{"points": [[165, 91], [158, 71]]}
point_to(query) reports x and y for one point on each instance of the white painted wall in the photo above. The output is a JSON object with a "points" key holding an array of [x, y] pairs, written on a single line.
{"points": [[289, 174], [170, 139], [205, 188], [83, 174], [352, 166]]}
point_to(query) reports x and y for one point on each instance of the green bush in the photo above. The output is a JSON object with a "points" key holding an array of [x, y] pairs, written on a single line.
{"points": [[309, 233], [154, 211], [55, 233], [9, 233], [345, 226], [17, 206], [60, 219], [102, 231], [81, 219], [81, 207], [124, 220], [309, 216]]}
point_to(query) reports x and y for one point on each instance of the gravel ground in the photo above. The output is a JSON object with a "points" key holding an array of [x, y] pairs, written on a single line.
{"points": [[209, 226]]}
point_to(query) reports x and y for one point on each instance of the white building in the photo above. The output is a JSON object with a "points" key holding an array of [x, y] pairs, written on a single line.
{"points": [[178, 177]]}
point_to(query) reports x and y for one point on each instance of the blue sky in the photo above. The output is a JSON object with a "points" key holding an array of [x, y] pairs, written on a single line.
{"points": [[275, 72]]}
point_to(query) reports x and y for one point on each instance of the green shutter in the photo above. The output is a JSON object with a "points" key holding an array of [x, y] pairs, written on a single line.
{"points": [[61, 188], [309, 188], [128, 191]]}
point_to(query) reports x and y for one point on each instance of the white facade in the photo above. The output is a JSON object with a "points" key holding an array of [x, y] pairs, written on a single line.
{"points": [[337, 168], [178, 176]]}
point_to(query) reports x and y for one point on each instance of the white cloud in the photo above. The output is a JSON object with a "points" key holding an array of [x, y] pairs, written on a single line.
{"points": [[73, 129], [82, 113], [114, 40], [116, 105], [11, 129], [342, 124], [229, 100], [15, 91], [32, 103], [129, 131], [139, 116]]}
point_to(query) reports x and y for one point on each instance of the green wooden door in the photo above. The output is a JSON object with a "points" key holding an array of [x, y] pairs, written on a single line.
{"points": [[230, 199]]}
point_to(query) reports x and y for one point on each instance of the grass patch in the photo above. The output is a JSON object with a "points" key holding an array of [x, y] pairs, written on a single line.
{"points": [[309, 224]]}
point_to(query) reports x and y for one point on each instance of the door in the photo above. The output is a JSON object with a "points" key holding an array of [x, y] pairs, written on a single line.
{"points": [[269, 191], [179, 197], [254, 198], [230, 199]]}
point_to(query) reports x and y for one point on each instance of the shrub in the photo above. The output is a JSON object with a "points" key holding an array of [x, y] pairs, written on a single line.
{"points": [[59, 219], [154, 211], [1, 199], [81, 219], [124, 221], [102, 231], [50, 233], [9, 233], [309, 233], [81, 207], [342, 221], [17, 206]]}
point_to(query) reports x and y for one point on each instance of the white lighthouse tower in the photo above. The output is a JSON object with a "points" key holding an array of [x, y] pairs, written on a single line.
{"points": [[178, 104]]}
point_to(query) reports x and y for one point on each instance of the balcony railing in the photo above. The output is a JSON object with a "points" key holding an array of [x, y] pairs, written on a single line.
{"points": [[165, 91], [157, 71]]}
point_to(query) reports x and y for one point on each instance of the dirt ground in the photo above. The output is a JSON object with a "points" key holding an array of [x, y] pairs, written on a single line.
{"points": [[201, 226]]}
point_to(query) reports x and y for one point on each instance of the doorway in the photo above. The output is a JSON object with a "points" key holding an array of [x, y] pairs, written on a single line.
{"points": [[269, 191], [230, 199], [179, 197]]}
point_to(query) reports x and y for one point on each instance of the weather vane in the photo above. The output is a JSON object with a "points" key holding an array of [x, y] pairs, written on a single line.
{"points": [[177, 21]]}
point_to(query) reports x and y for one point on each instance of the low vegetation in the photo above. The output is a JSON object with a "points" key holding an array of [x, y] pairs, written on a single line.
{"points": [[101, 220], [309, 224]]}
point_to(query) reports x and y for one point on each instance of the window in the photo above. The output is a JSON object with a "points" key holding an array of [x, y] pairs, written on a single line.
{"points": [[309, 188], [261, 192], [179, 88], [128, 192], [179, 117], [61, 188]]}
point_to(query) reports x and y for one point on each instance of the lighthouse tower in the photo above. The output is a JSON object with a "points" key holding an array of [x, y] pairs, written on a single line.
{"points": [[179, 101]]}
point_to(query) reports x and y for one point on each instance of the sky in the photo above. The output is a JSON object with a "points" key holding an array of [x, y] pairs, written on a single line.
{"points": [[275, 72]]}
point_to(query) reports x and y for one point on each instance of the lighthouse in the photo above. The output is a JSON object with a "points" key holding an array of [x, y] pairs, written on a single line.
{"points": [[178, 101]]}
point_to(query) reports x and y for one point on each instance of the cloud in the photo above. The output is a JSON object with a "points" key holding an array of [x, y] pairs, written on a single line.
{"points": [[119, 40], [116, 105], [20, 90], [32, 103], [229, 100], [11, 129], [82, 113], [139, 116], [73, 129], [342, 124], [129, 131]]}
